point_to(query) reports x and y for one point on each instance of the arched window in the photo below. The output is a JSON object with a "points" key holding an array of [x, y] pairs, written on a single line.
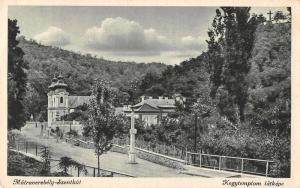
{"points": [[61, 100]]}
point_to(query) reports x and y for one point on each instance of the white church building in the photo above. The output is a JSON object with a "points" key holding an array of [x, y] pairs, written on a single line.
{"points": [[60, 102]]}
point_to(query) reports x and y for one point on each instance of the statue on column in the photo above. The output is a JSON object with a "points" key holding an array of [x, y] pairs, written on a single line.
{"points": [[132, 152]]}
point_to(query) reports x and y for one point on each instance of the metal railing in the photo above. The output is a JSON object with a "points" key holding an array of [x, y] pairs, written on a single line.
{"points": [[228, 163], [171, 151], [33, 148]]}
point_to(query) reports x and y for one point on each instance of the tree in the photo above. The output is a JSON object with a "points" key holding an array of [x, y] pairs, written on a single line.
{"points": [[32, 102], [102, 122], [66, 162], [46, 156], [214, 54], [230, 46], [261, 18], [17, 78], [279, 16], [289, 15], [148, 80]]}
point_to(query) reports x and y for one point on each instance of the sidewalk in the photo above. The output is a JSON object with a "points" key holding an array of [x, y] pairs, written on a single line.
{"points": [[210, 173]]}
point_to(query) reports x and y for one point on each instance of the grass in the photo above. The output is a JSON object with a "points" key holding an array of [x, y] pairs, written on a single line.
{"points": [[21, 165]]}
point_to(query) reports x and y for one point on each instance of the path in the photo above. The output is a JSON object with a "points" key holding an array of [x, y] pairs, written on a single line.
{"points": [[111, 161]]}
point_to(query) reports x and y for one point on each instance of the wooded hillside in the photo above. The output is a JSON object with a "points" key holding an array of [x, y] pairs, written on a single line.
{"points": [[79, 72]]}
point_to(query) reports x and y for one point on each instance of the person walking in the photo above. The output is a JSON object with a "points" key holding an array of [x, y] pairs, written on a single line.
{"points": [[42, 128]]}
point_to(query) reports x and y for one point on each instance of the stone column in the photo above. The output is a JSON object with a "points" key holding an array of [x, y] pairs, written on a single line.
{"points": [[132, 153], [67, 101], [57, 101]]}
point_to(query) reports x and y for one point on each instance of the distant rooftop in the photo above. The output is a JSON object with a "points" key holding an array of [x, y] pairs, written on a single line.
{"points": [[75, 101], [157, 103]]}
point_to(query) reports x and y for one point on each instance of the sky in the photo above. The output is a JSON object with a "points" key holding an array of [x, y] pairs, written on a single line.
{"points": [[168, 35]]}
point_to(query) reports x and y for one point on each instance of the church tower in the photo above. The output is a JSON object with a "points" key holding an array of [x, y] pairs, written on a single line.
{"points": [[57, 101]]}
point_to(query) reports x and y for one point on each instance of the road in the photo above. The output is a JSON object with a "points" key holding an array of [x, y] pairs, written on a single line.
{"points": [[111, 161]]}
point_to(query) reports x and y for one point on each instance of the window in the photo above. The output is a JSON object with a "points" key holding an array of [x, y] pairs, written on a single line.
{"points": [[150, 119], [61, 100]]}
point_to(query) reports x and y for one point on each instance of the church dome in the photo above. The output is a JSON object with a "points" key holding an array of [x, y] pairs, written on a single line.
{"points": [[54, 79], [58, 83]]}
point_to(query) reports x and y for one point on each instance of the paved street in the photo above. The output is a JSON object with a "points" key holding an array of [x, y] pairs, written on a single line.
{"points": [[111, 161]]}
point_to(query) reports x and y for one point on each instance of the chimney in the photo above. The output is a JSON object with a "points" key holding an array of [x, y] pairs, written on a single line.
{"points": [[160, 97], [142, 98], [166, 98], [150, 97]]}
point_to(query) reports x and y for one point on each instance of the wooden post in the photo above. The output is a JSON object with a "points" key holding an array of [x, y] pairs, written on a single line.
{"points": [[78, 172], [36, 150], [220, 162], [94, 172], [26, 146], [267, 168]]}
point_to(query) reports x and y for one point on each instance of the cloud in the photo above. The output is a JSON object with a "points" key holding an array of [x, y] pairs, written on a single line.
{"points": [[125, 36], [53, 36], [193, 43]]}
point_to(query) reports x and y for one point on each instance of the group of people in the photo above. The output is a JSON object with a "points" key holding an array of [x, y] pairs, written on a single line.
{"points": [[44, 128]]}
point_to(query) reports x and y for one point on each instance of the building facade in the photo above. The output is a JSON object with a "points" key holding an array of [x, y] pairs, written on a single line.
{"points": [[152, 110], [60, 103]]}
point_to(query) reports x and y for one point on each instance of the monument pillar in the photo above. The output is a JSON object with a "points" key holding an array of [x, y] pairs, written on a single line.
{"points": [[132, 153]]}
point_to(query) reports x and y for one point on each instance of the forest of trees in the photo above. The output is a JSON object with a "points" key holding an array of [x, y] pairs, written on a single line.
{"points": [[238, 91], [79, 72]]}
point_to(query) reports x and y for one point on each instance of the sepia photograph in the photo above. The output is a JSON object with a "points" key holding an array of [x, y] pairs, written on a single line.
{"points": [[149, 91]]}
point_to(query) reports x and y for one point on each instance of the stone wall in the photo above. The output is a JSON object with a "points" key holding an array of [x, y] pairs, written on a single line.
{"points": [[81, 143], [120, 149], [152, 156], [160, 159]]}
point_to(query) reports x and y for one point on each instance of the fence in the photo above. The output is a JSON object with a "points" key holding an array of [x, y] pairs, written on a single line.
{"points": [[171, 151], [216, 162], [90, 171], [236, 164], [21, 145]]}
